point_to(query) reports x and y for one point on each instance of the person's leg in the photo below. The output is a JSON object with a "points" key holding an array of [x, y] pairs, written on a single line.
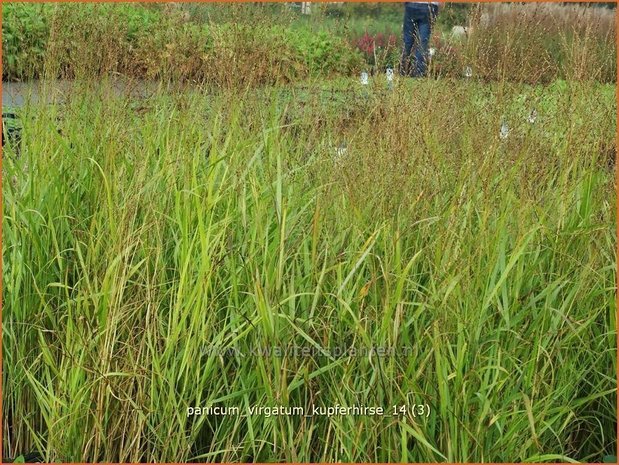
{"points": [[409, 39], [424, 26]]}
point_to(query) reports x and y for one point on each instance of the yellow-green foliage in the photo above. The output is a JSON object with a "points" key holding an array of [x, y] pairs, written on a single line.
{"points": [[141, 235]]}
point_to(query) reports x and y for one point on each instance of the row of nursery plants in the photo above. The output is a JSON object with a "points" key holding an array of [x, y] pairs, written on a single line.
{"points": [[520, 43]]}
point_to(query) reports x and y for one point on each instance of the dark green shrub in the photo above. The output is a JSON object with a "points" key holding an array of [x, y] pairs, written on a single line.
{"points": [[324, 53]]}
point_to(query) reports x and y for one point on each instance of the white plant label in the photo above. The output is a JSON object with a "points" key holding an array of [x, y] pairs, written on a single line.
{"points": [[504, 132], [341, 150]]}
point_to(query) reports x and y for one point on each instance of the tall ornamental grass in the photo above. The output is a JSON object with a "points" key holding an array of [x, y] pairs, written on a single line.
{"points": [[150, 245]]}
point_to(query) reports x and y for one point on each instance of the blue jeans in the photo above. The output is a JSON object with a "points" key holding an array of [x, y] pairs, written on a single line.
{"points": [[418, 19]]}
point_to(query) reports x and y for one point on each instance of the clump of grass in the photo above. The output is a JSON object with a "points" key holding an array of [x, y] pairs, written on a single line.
{"points": [[543, 42], [96, 40], [137, 235]]}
